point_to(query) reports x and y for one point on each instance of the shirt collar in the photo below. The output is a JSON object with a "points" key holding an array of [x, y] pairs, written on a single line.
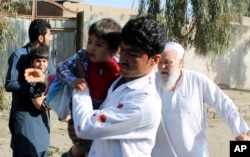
{"points": [[142, 81]]}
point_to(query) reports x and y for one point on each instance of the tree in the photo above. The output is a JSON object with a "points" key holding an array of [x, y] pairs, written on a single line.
{"points": [[204, 24], [9, 8]]}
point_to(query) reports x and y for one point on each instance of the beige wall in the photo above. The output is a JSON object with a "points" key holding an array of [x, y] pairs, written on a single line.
{"points": [[90, 17], [96, 9], [230, 69]]}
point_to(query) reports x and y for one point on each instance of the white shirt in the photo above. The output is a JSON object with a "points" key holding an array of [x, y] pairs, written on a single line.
{"points": [[183, 131], [127, 122]]}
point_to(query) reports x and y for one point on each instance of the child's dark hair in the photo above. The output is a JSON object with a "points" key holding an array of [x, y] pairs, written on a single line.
{"points": [[39, 52], [107, 29], [38, 27], [146, 34]]}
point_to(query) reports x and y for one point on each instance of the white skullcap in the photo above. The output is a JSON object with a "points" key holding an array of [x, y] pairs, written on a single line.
{"points": [[176, 47]]}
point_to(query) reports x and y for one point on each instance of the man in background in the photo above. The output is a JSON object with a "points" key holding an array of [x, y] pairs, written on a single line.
{"points": [[184, 93], [28, 125]]}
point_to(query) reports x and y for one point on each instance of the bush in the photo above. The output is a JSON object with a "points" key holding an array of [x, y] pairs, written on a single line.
{"points": [[3, 100]]}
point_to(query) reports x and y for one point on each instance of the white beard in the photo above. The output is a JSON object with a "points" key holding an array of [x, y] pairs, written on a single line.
{"points": [[168, 83]]}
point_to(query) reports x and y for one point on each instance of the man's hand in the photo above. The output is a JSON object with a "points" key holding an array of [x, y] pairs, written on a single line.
{"points": [[72, 134], [243, 137], [34, 75]]}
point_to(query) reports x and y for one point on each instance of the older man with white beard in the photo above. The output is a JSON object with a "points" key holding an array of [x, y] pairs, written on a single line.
{"points": [[184, 93]]}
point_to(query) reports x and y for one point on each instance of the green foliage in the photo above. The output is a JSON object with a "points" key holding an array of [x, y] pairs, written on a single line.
{"points": [[153, 8], [213, 29], [7, 32], [204, 24], [3, 102], [9, 8], [142, 8], [248, 11]]}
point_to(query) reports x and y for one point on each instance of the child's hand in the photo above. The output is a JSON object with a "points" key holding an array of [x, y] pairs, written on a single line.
{"points": [[79, 84], [38, 101]]}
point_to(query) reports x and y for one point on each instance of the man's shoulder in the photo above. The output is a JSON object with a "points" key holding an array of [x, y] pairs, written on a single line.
{"points": [[21, 50], [193, 74]]}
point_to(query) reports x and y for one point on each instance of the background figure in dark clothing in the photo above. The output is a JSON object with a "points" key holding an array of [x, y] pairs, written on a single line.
{"points": [[28, 125]]}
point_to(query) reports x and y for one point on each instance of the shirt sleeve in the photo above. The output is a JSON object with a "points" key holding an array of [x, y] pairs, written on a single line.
{"points": [[119, 121], [14, 79], [225, 108], [65, 70]]}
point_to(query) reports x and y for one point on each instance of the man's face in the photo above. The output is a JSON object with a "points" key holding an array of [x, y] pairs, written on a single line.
{"points": [[98, 50], [40, 63], [170, 69], [134, 62], [169, 62]]}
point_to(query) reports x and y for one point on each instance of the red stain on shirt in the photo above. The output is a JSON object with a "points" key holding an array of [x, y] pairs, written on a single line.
{"points": [[102, 118], [79, 128], [120, 106]]}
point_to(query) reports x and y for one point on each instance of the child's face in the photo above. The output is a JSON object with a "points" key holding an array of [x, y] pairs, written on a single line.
{"points": [[40, 63], [98, 50]]}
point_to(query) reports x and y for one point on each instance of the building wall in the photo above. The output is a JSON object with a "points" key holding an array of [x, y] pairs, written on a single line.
{"points": [[97, 9], [231, 69]]}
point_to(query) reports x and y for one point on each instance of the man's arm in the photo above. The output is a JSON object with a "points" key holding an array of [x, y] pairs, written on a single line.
{"points": [[65, 70], [119, 121], [72, 72], [14, 79], [227, 110]]}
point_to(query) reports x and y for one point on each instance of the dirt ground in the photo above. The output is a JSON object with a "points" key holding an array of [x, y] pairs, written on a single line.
{"points": [[218, 134]]}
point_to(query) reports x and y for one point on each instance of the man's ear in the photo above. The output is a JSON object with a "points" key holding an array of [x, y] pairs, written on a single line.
{"points": [[156, 59], [181, 63], [40, 38]]}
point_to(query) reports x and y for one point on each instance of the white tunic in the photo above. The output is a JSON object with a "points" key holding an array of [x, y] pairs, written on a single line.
{"points": [[127, 122], [183, 131]]}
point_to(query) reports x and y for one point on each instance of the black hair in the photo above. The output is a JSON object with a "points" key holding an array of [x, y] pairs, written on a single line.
{"points": [[107, 29], [145, 33], [39, 52], [38, 27]]}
